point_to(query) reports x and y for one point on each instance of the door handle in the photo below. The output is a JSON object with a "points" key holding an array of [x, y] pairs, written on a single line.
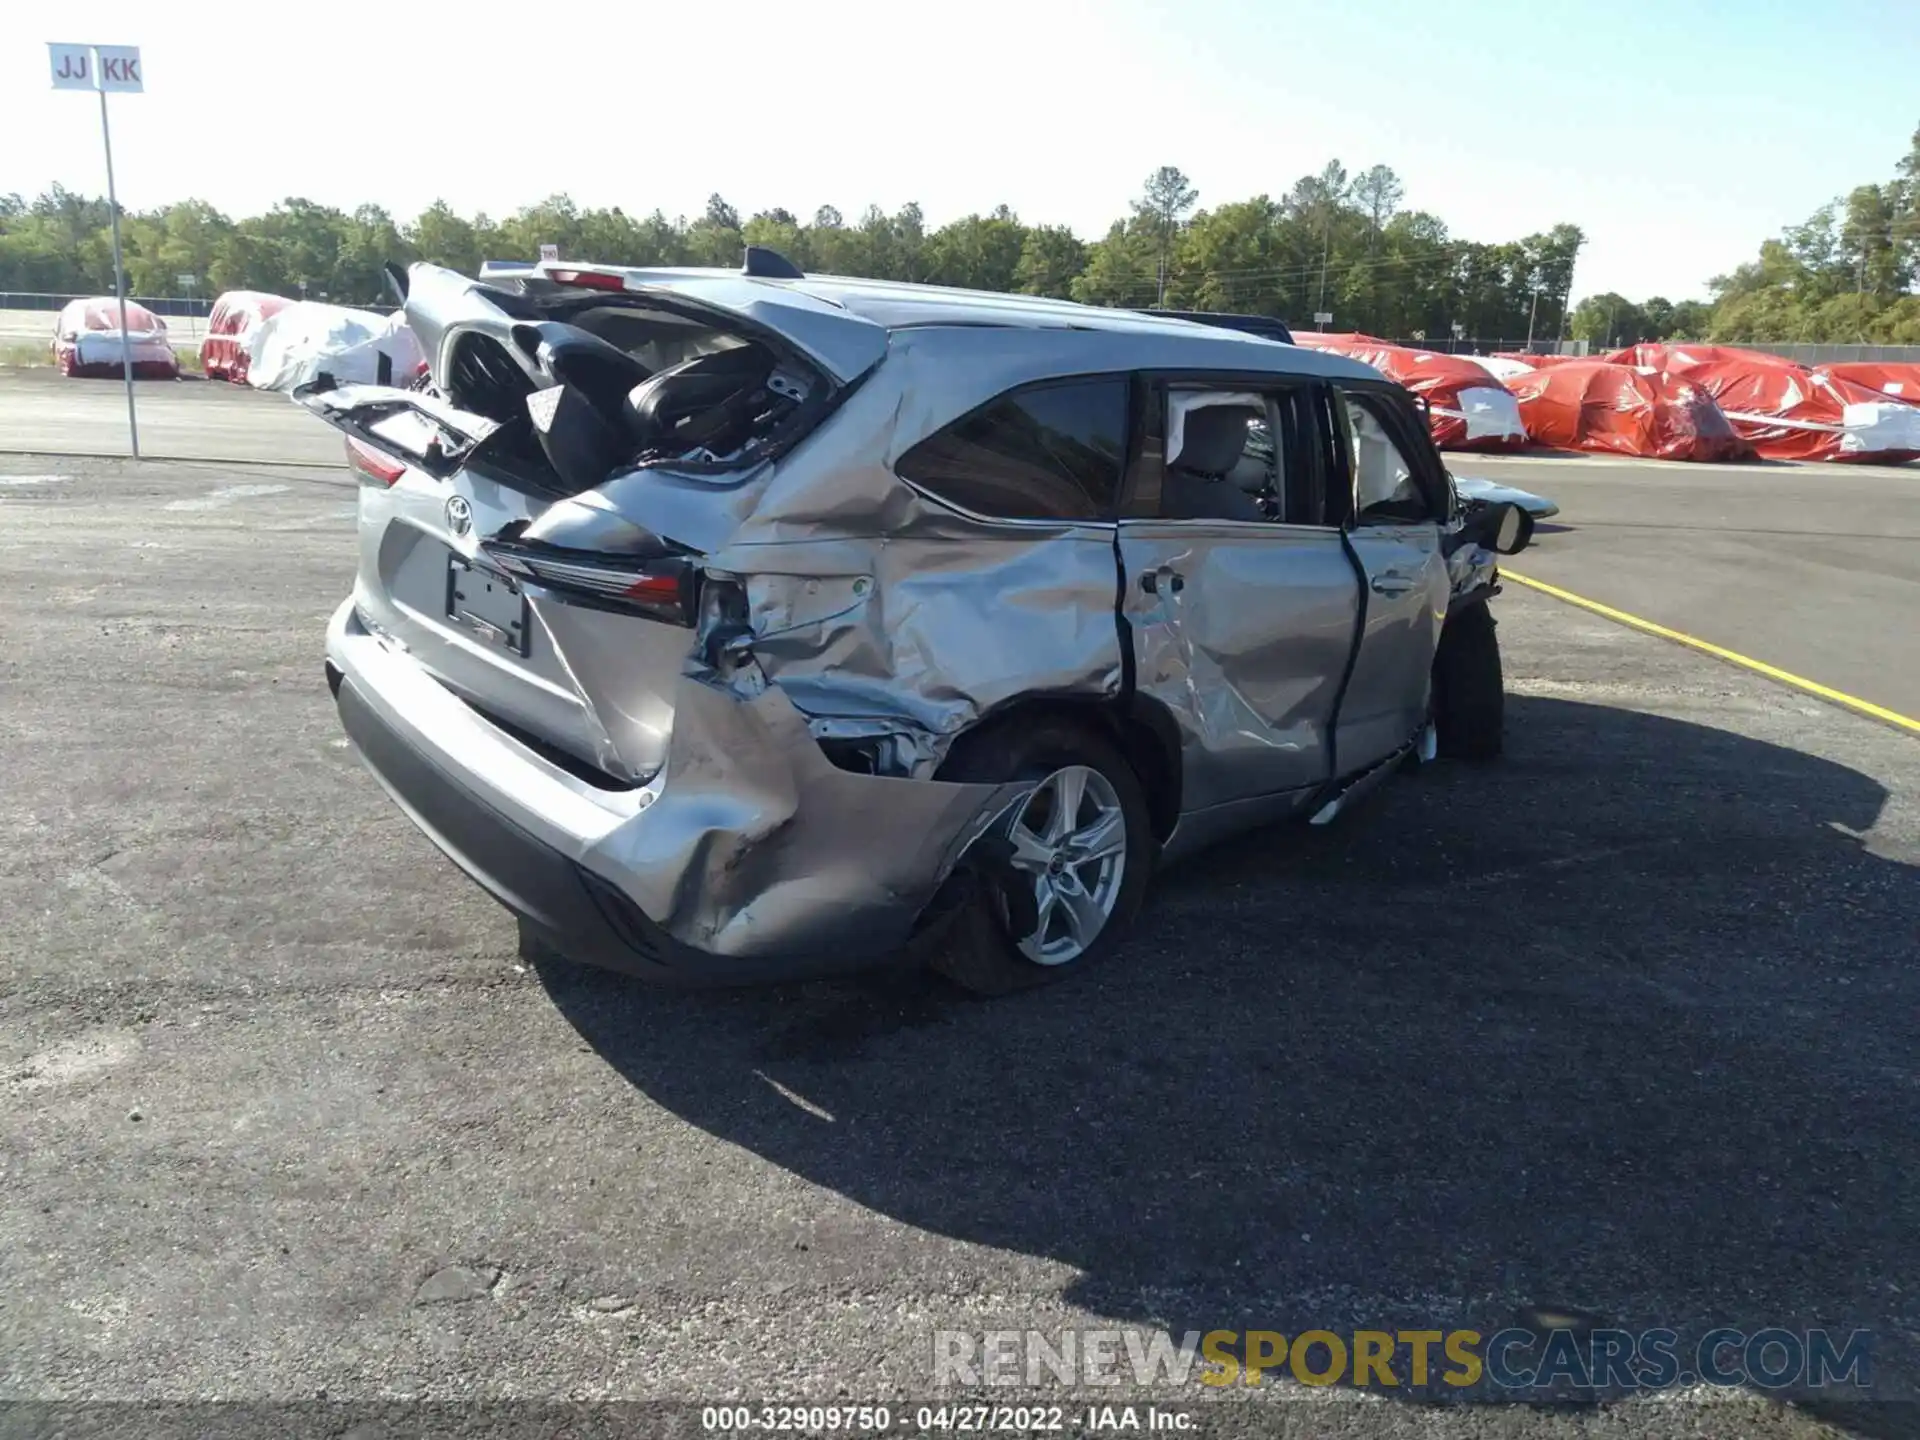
{"points": [[1150, 582], [1391, 582]]}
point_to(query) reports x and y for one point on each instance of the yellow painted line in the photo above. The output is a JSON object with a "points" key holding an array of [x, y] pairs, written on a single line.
{"points": [[1720, 652]]}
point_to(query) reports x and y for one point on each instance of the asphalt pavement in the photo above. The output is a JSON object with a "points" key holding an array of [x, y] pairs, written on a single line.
{"points": [[1623, 1026], [1814, 569], [186, 419]]}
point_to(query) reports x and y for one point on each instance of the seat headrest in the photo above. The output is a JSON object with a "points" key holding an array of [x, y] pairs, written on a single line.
{"points": [[1214, 437]]}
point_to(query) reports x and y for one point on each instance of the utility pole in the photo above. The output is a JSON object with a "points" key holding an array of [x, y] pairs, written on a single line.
{"points": [[1566, 295], [1326, 254], [1532, 315]]}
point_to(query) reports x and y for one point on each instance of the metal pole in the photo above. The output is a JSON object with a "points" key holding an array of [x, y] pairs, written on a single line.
{"points": [[1326, 253], [119, 272], [1566, 299], [1531, 314]]}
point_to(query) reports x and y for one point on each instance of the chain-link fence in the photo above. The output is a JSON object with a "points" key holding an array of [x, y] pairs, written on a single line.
{"points": [[184, 306]]}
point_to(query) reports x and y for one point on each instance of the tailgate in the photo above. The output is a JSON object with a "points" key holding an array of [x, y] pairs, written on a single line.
{"points": [[570, 624]]}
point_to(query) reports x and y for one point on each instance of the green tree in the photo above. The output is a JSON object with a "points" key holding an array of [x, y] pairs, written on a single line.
{"points": [[1163, 205], [1122, 268], [1228, 257], [977, 252], [1050, 257], [1378, 192], [777, 229], [1691, 320], [439, 235], [1610, 320]]}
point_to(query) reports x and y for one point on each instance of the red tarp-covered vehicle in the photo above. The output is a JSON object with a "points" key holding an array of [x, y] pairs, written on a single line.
{"points": [[228, 345], [1789, 412], [1625, 410], [87, 340], [1471, 410], [1889, 377]]}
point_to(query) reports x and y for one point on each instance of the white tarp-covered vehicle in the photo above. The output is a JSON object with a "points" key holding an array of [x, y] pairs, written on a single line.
{"points": [[356, 347]]}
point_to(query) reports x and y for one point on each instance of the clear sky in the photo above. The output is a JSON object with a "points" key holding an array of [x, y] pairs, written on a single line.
{"points": [[1677, 133]]}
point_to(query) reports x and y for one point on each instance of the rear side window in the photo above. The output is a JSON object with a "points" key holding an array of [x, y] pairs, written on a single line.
{"points": [[1049, 452]]}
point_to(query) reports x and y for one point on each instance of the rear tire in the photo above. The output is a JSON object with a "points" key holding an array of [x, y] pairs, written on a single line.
{"points": [[1469, 692], [1008, 936]]}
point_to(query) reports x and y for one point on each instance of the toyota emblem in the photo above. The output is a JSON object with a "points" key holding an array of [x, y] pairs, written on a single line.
{"points": [[459, 515]]}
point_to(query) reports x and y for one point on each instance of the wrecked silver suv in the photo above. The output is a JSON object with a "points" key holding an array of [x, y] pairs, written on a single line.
{"points": [[729, 626]]}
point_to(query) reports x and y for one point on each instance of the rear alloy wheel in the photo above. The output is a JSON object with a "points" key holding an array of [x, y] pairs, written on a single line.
{"points": [[1057, 880], [1070, 838]]}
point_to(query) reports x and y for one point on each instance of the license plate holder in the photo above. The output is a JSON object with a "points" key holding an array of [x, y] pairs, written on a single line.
{"points": [[486, 604]]}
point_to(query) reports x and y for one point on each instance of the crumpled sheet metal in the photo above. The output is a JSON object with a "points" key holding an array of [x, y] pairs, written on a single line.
{"points": [[921, 638], [876, 610], [757, 845], [1251, 716]]}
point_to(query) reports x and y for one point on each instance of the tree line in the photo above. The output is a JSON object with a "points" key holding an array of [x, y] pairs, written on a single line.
{"points": [[1336, 242]]}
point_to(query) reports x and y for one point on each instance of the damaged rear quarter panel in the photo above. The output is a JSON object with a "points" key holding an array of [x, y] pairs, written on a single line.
{"points": [[880, 611], [759, 845]]}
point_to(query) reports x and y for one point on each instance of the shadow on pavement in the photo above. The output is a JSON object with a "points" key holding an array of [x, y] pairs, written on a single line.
{"points": [[1622, 1025]]}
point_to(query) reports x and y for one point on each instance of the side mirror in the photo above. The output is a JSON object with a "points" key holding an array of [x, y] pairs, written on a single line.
{"points": [[1514, 531]]}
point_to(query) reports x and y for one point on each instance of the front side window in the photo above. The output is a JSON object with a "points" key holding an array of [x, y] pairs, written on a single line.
{"points": [[1384, 482], [1048, 452]]}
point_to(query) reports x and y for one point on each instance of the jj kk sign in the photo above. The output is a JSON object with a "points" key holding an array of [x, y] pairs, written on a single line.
{"points": [[96, 67]]}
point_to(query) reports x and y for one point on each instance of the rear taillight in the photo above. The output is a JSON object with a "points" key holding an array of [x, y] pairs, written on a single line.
{"points": [[371, 464], [662, 588], [588, 279]]}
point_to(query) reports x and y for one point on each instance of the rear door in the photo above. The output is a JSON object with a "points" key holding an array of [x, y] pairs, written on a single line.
{"points": [[1390, 479], [1239, 600]]}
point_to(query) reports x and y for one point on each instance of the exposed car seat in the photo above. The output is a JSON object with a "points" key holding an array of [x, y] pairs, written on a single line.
{"points": [[660, 407], [1205, 480]]}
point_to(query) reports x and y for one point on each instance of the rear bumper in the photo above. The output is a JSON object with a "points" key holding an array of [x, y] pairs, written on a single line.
{"points": [[749, 859], [558, 899]]}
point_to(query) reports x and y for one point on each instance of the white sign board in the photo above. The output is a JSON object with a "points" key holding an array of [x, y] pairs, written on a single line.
{"points": [[1323, 317], [74, 67], [549, 253], [186, 280], [119, 68]]}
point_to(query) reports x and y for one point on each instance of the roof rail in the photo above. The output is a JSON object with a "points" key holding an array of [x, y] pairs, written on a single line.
{"points": [[1265, 326], [765, 264]]}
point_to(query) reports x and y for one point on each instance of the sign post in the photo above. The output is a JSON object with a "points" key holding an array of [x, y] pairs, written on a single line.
{"points": [[1323, 318], [101, 68]]}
